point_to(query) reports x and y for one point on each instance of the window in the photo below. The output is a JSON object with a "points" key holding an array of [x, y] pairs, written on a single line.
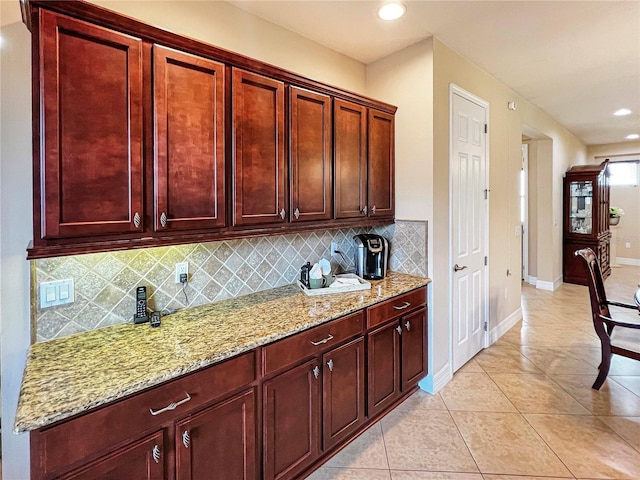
{"points": [[624, 174]]}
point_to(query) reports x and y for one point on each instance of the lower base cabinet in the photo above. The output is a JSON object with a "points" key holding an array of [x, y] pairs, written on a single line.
{"points": [[219, 441]]}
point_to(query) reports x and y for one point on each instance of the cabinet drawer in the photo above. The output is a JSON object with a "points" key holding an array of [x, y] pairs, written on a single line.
{"points": [[396, 307], [99, 431], [311, 342]]}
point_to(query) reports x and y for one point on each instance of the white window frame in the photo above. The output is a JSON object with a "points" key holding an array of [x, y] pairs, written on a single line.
{"points": [[634, 182]]}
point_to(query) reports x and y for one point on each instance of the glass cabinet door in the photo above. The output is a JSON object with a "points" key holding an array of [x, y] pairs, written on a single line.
{"points": [[581, 207]]}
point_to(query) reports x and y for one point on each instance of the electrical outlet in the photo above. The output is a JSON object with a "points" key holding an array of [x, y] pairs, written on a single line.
{"points": [[518, 230], [334, 249], [627, 245], [182, 268]]}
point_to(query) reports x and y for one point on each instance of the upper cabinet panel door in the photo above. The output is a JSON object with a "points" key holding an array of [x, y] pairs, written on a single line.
{"points": [[91, 130], [381, 163], [310, 137], [259, 163], [189, 141], [350, 137]]}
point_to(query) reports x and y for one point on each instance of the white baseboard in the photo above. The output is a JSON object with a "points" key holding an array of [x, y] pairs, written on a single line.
{"points": [[531, 280], [628, 261], [432, 383], [549, 286], [505, 325]]}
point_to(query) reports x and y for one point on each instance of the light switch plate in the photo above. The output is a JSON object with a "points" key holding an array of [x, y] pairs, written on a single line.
{"points": [[58, 292]]}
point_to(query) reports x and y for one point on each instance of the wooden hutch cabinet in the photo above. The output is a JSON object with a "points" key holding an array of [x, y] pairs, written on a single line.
{"points": [[586, 219]]}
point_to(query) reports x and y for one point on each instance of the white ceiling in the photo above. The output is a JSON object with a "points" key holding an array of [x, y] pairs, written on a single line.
{"points": [[579, 61]]}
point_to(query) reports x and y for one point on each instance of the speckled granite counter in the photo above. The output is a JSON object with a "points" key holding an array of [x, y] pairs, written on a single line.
{"points": [[68, 376]]}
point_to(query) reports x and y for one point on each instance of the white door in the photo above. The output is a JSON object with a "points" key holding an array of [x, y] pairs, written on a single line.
{"points": [[468, 226]]}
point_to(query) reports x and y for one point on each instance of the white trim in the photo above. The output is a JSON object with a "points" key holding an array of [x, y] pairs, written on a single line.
{"points": [[531, 280], [504, 326], [629, 261], [549, 286], [438, 380], [455, 89], [524, 233]]}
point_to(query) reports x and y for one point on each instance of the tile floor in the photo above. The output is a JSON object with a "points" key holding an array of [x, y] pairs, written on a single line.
{"points": [[521, 409]]}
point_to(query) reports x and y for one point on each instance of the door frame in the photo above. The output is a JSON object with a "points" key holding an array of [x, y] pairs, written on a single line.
{"points": [[524, 271], [456, 90]]}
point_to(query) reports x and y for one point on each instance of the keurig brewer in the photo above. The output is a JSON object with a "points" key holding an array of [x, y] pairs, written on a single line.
{"points": [[371, 256]]}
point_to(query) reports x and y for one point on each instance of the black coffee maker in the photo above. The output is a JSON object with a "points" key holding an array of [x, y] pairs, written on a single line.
{"points": [[371, 256]]}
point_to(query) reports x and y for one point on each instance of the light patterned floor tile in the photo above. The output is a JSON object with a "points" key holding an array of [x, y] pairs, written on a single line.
{"points": [[421, 475], [587, 446], [504, 359], [627, 427], [475, 392], [611, 399], [366, 451], [504, 443], [331, 473]]}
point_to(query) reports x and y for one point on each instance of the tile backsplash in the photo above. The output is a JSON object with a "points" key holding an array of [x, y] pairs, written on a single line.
{"points": [[105, 282]]}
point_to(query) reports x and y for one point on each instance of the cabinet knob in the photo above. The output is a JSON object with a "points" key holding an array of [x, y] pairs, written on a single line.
{"points": [[373, 210], [136, 220], [316, 371], [163, 219], [282, 213], [156, 453], [296, 213], [330, 365], [407, 325], [186, 439], [399, 330], [365, 209]]}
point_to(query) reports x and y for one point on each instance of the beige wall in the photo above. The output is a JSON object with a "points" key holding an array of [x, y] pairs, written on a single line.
{"points": [[628, 198], [215, 22]]}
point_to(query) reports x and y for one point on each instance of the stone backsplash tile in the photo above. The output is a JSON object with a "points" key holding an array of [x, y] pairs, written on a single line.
{"points": [[105, 282]]}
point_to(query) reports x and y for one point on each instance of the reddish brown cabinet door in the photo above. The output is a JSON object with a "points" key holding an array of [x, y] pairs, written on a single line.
{"points": [[259, 163], [142, 460], [413, 348], [350, 151], [310, 155], [291, 418], [219, 442], [343, 392], [90, 130], [381, 164], [189, 159], [383, 367]]}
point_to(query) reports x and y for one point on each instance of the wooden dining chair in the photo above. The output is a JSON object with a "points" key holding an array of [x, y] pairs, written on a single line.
{"points": [[621, 338]]}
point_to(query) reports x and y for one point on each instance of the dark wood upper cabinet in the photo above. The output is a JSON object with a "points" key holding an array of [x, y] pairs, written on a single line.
{"points": [[310, 155], [189, 155], [91, 130], [350, 151], [219, 441], [381, 163], [259, 162]]}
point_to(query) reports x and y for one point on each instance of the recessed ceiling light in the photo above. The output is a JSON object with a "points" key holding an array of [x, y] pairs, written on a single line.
{"points": [[392, 11], [632, 136], [622, 112]]}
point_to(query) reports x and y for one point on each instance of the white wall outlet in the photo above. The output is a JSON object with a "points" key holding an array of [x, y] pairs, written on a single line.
{"points": [[334, 249], [58, 292], [627, 245], [182, 268], [506, 293], [518, 230]]}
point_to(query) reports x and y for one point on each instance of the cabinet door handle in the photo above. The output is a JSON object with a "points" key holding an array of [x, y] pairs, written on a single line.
{"points": [[156, 453], [136, 220], [407, 325], [296, 213], [373, 210], [186, 439], [399, 330], [330, 365], [403, 306], [163, 219], [316, 371], [324, 340], [283, 214], [365, 209], [171, 406]]}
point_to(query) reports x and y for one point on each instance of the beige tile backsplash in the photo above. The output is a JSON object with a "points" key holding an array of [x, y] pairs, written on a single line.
{"points": [[105, 282]]}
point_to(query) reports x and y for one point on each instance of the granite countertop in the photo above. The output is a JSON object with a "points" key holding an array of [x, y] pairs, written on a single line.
{"points": [[70, 375]]}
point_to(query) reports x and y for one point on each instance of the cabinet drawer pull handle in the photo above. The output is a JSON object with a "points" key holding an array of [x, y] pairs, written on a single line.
{"points": [[136, 220], [186, 439], [316, 371], [156, 453], [163, 219], [171, 406], [325, 340], [403, 306], [373, 210], [365, 209], [399, 330], [407, 325], [296, 213], [330, 365], [282, 213]]}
